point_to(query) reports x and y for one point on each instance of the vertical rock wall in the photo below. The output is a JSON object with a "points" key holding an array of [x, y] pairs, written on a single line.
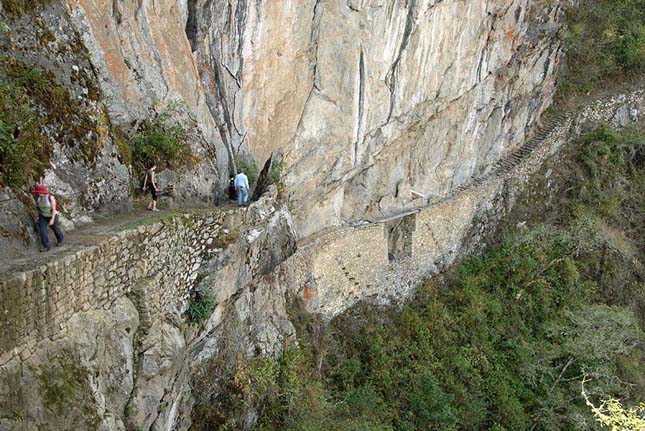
{"points": [[376, 106], [369, 100], [97, 339]]}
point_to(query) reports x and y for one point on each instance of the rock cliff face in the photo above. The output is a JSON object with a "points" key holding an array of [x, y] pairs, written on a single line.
{"points": [[369, 100], [97, 339], [376, 106]]}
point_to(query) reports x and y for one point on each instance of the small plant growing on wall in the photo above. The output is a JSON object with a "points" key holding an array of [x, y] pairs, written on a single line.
{"points": [[201, 306], [24, 152], [161, 139], [247, 164]]}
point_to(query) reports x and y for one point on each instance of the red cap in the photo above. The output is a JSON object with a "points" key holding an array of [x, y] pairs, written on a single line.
{"points": [[40, 190]]}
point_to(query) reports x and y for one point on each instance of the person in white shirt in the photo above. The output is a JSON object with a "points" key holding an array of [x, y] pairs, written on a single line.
{"points": [[242, 187]]}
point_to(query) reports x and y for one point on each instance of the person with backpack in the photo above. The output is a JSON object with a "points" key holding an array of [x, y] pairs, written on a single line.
{"points": [[149, 181], [47, 216]]}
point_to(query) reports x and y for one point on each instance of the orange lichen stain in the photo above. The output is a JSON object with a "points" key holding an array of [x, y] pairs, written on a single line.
{"points": [[309, 293], [100, 21], [510, 33]]}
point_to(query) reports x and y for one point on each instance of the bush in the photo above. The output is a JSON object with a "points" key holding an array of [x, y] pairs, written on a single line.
{"points": [[17, 8], [67, 120], [32, 103], [605, 40], [161, 140], [277, 169], [615, 164], [201, 306], [24, 151], [246, 163]]}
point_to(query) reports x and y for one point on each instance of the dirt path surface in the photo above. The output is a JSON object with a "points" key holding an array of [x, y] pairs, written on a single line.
{"points": [[91, 234]]}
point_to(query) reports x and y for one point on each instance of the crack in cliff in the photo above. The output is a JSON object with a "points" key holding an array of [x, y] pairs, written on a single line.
{"points": [[360, 102], [240, 25], [168, 392], [116, 12], [484, 51], [218, 107], [313, 49], [390, 78], [314, 40]]}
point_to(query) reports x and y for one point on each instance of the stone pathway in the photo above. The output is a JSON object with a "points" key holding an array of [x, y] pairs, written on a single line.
{"points": [[89, 235]]}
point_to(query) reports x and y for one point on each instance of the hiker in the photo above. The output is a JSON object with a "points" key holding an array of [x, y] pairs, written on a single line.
{"points": [[47, 216], [149, 181], [242, 188], [232, 193]]}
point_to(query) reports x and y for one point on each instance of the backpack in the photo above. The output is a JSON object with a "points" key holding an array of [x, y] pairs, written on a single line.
{"points": [[54, 207], [49, 198]]}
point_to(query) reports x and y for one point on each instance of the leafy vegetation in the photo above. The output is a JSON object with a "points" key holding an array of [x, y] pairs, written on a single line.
{"points": [[24, 151], [503, 343], [18, 8], [605, 40], [247, 164], [161, 140], [614, 416], [277, 169], [35, 112], [201, 306], [66, 391], [65, 117]]}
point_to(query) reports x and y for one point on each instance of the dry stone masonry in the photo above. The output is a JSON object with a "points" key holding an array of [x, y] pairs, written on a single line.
{"points": [[158, 263], [103, 323], [385, 259]]}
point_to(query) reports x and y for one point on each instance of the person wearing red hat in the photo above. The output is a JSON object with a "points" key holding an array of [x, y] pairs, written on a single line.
{"points": [[47, 216]]}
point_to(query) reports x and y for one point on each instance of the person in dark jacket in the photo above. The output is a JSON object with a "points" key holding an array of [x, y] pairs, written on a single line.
{"points": [[47, 216], [149, 182], [232, 193]]}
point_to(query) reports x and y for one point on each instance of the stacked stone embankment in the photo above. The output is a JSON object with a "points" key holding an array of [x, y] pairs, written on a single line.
{"points": [[386, 258], [157, 264]]}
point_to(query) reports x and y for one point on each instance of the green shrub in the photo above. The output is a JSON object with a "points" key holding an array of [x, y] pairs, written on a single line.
{"points": [[615, 164], [277, 169], [41, 104], [605, 40], [18, 8], [24, 151], [66, 391], [161, 140], [247, 164], [201, 306], [502, 344]]}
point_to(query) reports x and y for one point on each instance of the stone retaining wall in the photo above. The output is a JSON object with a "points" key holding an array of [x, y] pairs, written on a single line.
{"points": [[336, 270], [157, 263]]}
